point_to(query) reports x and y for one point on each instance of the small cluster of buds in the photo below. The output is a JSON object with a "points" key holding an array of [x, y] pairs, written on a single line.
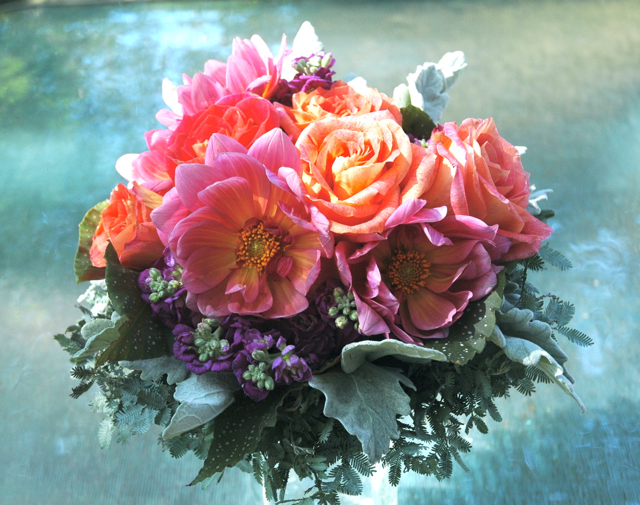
{"points": [[161, 288], [310, 65], [345, 309]]}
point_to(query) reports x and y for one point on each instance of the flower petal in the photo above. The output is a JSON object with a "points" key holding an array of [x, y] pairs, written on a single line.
{"points": [[275, 150], [287, 301]]}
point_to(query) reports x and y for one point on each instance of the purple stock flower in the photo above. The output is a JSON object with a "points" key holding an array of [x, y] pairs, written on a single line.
{"points": [[313, 72], [204, 349], [162, 289], [288, 367], [246, 368]]}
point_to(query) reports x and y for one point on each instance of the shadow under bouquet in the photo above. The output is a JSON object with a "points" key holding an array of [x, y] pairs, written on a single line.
{"points": [[305, 275]]}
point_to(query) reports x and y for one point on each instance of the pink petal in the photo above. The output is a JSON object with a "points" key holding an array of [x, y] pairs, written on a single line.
{"points": [[370, 322], [206, 268], [305, 268], [232, 199], [124, 166], [404, 212], [190, 180], [206, 234], [287, 301], [212, 303], [434, 236], [429, 311], [166, 216], [264, 300], [218, 144], [202, 214], [275, 150], [241, 165], [246, 281], [466, 227]]}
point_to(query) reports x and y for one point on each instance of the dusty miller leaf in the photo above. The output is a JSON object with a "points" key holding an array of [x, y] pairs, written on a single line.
{"points": [[353, 355], [202, 397], [531, 343], [153, 369], [99, 334], [366, 402]]}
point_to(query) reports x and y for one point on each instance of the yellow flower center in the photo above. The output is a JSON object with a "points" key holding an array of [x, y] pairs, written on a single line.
{"points": [[256, 247], [408, 271]]}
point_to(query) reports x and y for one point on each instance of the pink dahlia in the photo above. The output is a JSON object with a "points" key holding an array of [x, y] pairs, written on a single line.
{"points": [[247, 244], [418, 282], [251, 67]]}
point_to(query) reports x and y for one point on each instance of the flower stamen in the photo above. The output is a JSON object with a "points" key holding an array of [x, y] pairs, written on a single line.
{"points": [[408, 271], [256, 247]]}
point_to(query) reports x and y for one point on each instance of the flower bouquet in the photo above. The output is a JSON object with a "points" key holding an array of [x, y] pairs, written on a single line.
{"points": [[306, 275]]}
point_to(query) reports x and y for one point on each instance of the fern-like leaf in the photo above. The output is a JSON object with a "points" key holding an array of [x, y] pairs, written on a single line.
{"points": [[80, 389], [555, 258], [526, 386], [576, 336], [535, 263]]}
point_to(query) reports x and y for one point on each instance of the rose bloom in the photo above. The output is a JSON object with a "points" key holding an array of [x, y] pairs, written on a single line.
{"points": [[340, 100], [357, 170], [126, 223], [475, 172], [242, 117]]}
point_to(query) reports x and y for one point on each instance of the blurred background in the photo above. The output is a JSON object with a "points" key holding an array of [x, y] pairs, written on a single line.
{"points": [[79, 86]]}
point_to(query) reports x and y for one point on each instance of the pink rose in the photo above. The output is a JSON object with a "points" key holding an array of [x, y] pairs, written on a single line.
{"points": [[475, 172]]}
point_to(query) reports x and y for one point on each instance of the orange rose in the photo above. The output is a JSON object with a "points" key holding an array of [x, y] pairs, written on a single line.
{"points": [[475, 172], [126, 223], [357, 170], [339, 101]]}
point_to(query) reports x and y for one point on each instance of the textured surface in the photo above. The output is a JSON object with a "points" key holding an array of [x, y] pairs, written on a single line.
{"points": [[80, 86]]}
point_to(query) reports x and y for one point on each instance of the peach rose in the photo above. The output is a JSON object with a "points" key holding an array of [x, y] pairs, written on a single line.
{"points": [[475, 172], [126, 223], [357, 170], [339, 101]]}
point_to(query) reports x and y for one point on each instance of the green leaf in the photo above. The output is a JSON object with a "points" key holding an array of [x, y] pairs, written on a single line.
{"points": [[237, 431], [576, 336], [468, 335], [141, 336], [555, 258], [84, 269], [202, 398], [353, 355], [535, 263], [366, 402], [417, 122]]}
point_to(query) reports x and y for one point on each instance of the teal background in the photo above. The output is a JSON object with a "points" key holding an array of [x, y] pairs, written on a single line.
{"points": [[79, 86]]}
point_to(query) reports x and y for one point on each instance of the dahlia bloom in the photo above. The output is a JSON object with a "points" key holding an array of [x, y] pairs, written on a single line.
{"points": [[251, 67], [475, 172], [247, 244], [418, 282]]}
